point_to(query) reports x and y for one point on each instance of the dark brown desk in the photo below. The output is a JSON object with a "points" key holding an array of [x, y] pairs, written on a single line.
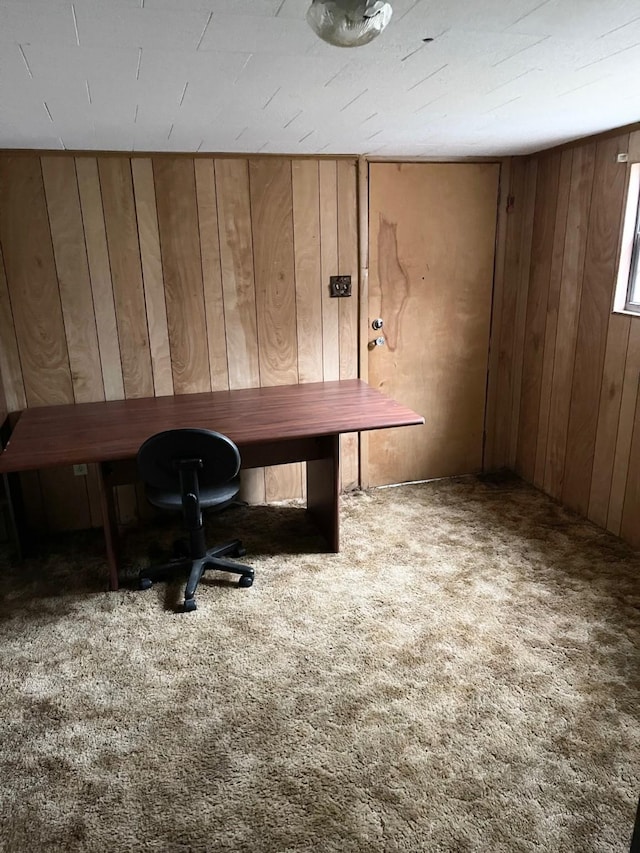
{"points": [[271, 426]]}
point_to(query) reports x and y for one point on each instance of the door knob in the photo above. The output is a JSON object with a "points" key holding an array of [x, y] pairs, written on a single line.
{"points": [[378, 342], [377, 324]]}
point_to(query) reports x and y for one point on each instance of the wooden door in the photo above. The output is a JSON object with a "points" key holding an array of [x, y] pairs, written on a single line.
{"points": [[432, 233]]}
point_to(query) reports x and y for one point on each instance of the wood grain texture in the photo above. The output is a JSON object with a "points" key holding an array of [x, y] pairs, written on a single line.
{"points": [[126, 272], [180, 246], [349, 312], [537, 298], [273, 253], [212, 273], [592, 455], [67, 233], [152, 275], [432, 241], [568, 311], [524, 238], [30, 270], [100, 274], [308, 268], [597, 288], [630, 525], [491, 413], [551, 323], [328, 175], [510, 219], [10, 369], [236, 256], [626, 423]]}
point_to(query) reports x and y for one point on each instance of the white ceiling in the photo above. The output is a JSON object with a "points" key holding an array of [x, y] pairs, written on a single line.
{"points": [[500, 77]]}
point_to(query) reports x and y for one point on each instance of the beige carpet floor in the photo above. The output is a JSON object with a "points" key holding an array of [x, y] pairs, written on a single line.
{"points": [[462, 677]]}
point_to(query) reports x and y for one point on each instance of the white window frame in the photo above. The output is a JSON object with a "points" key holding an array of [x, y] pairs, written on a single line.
{"points": [[627, 292]]}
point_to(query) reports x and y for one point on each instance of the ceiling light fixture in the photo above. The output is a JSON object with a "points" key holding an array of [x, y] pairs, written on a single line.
{"points": [[348, 23]]}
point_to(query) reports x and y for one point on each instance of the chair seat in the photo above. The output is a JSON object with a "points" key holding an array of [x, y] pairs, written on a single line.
{"points": [[210, 496]]}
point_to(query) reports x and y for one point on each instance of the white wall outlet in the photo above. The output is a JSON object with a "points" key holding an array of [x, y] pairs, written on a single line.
{"points": [[80, 470]]}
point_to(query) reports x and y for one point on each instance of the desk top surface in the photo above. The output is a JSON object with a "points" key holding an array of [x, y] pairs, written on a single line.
{"points": [[106, 431]]}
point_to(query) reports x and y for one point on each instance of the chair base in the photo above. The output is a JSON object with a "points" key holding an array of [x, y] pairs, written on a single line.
{"points": [[213, 558]]}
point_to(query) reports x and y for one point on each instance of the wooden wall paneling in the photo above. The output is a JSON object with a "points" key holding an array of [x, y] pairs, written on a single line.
{"points": [[32, 283], [513, 205], [328, 174], [599, 272], [124, 257], [152, 275], [308, 268], [238, 285], [180, 246], [363, 297], [67, 233], [551, 324], [212, 273], [491, 412], [273, 251], [79, 315], [608, 417], [100, 276], [523, 272], [128, 290], [541, 252], [10, 367], [103, 301], [626, 423], [349, 315], [630, 525], [582, 173]]}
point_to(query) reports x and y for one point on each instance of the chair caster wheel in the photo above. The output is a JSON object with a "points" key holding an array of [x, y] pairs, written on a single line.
{"points": [[145, 583], [240, 551], [189, 605], [245, 580]]}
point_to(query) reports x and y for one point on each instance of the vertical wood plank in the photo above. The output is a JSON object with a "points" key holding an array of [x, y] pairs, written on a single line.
{"points": [[152, 275], [65, 218], [180, 246], [524, 255], [541, 251], [513, 210], [308, 271], [212, 273], [582, 172], [608, 417], [630, 526], [348, 307], [627, 420], [599, 273], [32, 283], [238, 285], [124, 256], [9, 358], [489, 453], [100, 276], [363, 296], [551, 325], [272, 230], [328, 175]]}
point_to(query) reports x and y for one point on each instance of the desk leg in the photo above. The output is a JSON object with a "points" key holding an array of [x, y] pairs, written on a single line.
{"points": [[109, 524], [323, 490]]}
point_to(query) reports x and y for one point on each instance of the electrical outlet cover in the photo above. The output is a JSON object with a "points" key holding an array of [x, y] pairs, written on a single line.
{"points": [[340, 285]]}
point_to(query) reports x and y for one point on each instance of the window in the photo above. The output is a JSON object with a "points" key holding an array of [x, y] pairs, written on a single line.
{"points": [[627, 296]]}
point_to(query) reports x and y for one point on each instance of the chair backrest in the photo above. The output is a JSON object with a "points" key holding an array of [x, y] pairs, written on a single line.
{"points": [[160, 454]]}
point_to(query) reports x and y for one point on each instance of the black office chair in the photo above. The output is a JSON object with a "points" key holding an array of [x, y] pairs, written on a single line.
{"points": [[191, 470]]}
